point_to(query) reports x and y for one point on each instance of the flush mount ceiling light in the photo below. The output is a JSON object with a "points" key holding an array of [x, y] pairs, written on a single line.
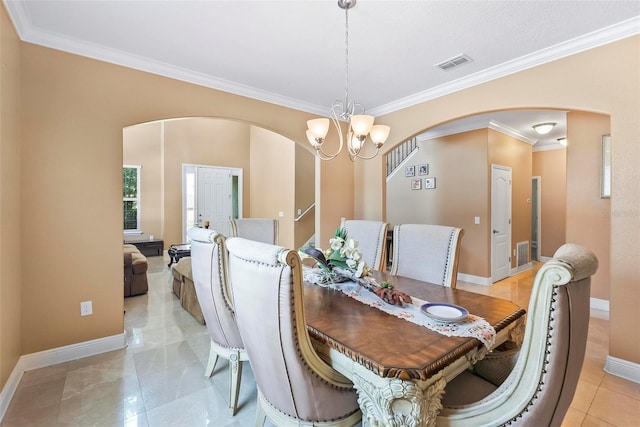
{"points": [[562, 141], [543, 128], [360, 125]]}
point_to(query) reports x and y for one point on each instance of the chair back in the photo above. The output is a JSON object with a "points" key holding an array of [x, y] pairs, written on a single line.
{"points": [[209, 269], [542, 384], [266, 282], [427, 252], [263, 230], [372, 240]]}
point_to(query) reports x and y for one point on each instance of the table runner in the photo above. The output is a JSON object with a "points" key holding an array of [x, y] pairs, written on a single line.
{"points": [[474, 326]]}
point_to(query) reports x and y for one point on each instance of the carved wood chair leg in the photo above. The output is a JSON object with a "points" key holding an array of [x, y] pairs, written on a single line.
{"points": [[211, 363], [235, 375]]}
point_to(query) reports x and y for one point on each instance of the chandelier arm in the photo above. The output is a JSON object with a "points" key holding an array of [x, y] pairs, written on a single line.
{"points": [[320, 151], [357, 155]]}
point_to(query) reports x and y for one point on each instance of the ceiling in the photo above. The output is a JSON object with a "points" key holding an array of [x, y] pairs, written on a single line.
{"points": [[292, 53]]}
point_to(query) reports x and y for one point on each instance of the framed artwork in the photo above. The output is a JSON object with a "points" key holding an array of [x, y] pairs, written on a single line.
{"points": [[416, 184], [423, 169], [605, 173], [410, 171], [429, 183]]}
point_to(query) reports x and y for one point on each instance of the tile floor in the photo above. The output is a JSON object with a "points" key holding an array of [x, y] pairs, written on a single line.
{"points": [[158, 379]]}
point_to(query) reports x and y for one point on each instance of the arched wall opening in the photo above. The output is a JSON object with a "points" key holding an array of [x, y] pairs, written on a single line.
{"points": [[447, 181], [277, 174]]}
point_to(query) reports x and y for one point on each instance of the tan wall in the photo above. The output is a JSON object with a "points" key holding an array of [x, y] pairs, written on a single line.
{"points": [[73, 110], [212, 142], [200, 141], [272, 181], [73, 116], [305, 195], [586, 82], [588, 215], [507, 151], [551, 167], [10, 194], [142, 146], [459, 164], [336, 198]]}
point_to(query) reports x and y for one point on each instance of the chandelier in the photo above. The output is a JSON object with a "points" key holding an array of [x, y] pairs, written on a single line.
{"points": [[360, 124]]}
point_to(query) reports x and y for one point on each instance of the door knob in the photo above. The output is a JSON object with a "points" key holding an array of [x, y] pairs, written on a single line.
{"points": [[495, 231]]}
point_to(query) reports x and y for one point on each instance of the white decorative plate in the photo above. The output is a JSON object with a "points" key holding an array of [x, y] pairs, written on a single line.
{"points": [[443, 312]]}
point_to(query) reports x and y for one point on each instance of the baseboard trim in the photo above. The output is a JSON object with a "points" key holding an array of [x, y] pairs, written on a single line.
{"points": [[599, 304], [476, 280], [523, 267], [54, 356], [623, 369], [9, 390]]}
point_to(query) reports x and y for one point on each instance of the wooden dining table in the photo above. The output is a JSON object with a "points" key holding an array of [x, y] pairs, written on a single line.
{"points": [[399, 369]]}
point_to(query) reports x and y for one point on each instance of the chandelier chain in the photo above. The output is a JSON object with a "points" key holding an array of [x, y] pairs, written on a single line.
{"points": [[360, 125], [346, 61]]}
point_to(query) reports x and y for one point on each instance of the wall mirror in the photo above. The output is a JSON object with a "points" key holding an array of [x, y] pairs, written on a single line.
{"points": [[605, 173]]}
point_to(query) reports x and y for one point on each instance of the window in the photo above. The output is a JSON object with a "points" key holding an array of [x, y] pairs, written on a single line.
{"points": [[131, 199]]}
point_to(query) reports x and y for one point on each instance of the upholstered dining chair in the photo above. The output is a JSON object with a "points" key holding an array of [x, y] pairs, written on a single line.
{"points": [[372, 240], [295, 386], [263, 230], [209, 270], [427, 252], [541, 386]]}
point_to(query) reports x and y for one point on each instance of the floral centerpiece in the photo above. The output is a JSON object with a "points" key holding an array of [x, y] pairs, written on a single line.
{"points": [[342, 261]]}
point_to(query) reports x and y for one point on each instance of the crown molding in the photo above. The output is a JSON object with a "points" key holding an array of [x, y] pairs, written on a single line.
{"points": [[588, 41], [507, 130], [28, 33], [471, 124], [549, 147], [474, 123]]}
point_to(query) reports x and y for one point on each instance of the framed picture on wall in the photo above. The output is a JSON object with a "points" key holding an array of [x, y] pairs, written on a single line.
{"points": [[416, 184], [423, 169], [429, 183], [410, 171]]}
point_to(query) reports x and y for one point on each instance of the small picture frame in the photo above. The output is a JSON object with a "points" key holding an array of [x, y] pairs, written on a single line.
{"points": [[423, 169], [410, 171], [429, 183], [416, 184]]}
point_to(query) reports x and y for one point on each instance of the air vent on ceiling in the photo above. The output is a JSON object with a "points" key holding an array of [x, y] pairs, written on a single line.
{"points": [[454, 62]]}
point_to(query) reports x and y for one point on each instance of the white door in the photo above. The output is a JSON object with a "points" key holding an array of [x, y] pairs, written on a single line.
{"points": [[500, 222], [536, 221], [213, 198]]}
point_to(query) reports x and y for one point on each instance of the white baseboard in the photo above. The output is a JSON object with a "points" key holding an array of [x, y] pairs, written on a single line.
{"points": [[623, 369], [544, 258], [476, 280], [54, 356], [9, 389], [488, 281], [524, 267], [600, 304]]}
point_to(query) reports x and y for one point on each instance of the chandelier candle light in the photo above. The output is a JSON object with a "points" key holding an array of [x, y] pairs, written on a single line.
{"points": [[360, 124]]}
